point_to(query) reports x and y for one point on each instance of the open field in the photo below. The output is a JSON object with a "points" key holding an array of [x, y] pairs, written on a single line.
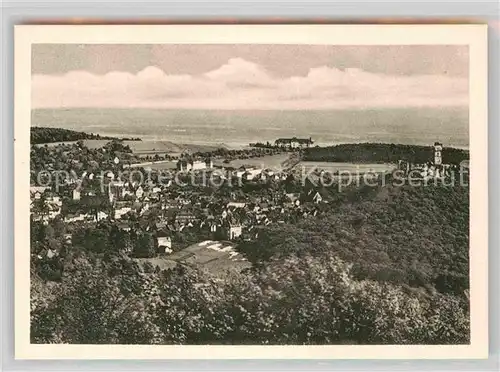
{"points": [[345, 167], [158, 165], [91, 144], [151, 147], [276, 162], [145, 155], [268, 161], [215, 256], [146, 147]]}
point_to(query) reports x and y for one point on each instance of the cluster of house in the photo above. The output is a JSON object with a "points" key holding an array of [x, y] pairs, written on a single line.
{"points": [[52, 203], [251, 173], [174, 210], [232, 220], [425, 171], [221, 218], [122, 195], [46, 205], [245, 172], [190, 164]]}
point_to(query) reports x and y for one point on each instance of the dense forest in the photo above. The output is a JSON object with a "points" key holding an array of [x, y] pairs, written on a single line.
{"points": [[382, 153], [48, 135], [411, 236], [309, 300], [385, 265]]}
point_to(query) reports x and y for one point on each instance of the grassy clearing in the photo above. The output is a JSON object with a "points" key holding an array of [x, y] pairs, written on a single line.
{"points": [[215, 256], [268, 161], [346, 167]]}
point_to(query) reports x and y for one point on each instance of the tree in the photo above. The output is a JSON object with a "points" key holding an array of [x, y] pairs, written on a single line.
{"points": [[145, 245], [95, 308], [96, 240], [37, 235], [119, 240], [308, 300]]}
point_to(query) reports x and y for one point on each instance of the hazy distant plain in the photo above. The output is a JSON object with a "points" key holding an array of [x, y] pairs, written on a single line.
{"points": [[239, 128]]}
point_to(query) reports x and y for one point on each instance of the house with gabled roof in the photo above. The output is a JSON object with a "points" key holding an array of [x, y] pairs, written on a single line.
{"points": [[232, 228], [293, 142]]}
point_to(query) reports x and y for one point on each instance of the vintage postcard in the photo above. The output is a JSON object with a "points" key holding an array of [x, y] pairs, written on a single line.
{"points": [[251, 191]]}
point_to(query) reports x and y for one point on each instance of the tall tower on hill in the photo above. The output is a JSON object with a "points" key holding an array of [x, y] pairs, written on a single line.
{"points": [[438, 158]]}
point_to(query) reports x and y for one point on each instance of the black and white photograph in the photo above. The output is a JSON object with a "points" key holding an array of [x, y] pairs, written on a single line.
{"points": [[246, 194]]}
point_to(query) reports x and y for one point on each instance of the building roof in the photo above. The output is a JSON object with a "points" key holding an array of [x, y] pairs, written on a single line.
{"points": [[294, 139], [163, 240], [41, 189]]}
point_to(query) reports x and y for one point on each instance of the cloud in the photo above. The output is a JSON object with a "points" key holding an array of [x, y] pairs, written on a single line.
{"points": [[238, 73], [240, 84]]}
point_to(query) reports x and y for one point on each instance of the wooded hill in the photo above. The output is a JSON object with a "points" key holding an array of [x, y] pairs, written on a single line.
{"points": [[382, 153], [48, 135], [412, 236]]}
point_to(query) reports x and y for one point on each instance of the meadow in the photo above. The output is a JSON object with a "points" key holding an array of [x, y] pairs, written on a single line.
{"points": [[350, 168], [267, 161]]}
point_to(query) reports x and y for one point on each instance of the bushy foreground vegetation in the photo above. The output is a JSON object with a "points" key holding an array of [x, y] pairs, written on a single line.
{"points": [[413, 236], [309, 300], [389, 266]]}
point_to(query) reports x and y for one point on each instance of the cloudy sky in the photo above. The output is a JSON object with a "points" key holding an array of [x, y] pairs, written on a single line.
{"points": [[281, 77]]}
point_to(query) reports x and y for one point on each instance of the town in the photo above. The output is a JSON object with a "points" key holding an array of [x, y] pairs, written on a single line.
{"points": [[188, 201]]}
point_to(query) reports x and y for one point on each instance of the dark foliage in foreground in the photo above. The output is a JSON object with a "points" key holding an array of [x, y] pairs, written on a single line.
{"points": [[409, 246], [416, 236], [295, 301]]}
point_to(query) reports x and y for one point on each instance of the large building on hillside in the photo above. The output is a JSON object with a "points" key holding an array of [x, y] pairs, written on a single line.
{"points": [[187, 165], [294, 142]]}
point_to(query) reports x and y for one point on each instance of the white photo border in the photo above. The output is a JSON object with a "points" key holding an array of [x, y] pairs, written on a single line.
{"points": [[475, 36]]}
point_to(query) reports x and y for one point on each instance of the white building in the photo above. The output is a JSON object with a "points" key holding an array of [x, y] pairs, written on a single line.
{"points": [[37, 191], [121, 212], [56, 200], [250, 174], [54, 213], [236, 205], [234, 232], [240, 173], [145, 207], [438, 158], [198, 164], [101, 216], [188, 165], [76, 218], [76, 194], [139, 192], [164, 244], [317, 198]]}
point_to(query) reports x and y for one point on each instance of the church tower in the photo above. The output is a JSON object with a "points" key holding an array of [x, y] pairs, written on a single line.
{"points": [[438, 148]]}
